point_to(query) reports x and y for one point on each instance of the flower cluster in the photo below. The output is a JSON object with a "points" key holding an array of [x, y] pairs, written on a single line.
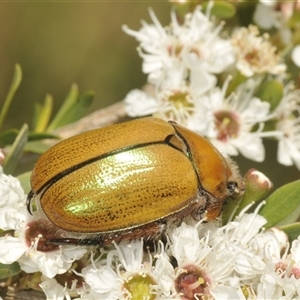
{"points": [[219, 82], [238, 260], [22, 244]]}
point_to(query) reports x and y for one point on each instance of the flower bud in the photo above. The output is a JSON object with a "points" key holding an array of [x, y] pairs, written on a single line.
{"points": [[257, 185]]}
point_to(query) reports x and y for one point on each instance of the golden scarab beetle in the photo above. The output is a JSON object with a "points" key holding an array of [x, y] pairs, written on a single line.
{"points": [[127, 180]]}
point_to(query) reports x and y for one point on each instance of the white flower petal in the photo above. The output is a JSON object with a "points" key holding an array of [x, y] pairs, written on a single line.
{"points": [[260, 14], [102, 280], [296, 55], [251, 146], [138, 103], [226, 292], [53, 290], [11, 249]]}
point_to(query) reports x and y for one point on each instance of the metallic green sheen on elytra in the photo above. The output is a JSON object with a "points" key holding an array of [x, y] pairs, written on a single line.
{"points": [[128, 175]]}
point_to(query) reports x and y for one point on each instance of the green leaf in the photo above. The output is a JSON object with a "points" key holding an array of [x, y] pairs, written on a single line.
{"points": [[73, 108], [43, 114], [282, 203], [38, 147], [33, 136], [10, 270], [8, 137], [25, 181], [292, 230], [272, 92], [79, 109], [221, 9], [291, 218], [11, 92], [16, 151], [58, 120]]}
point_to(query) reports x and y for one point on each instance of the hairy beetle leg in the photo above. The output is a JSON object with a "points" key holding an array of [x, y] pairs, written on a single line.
{"points": [[150, 231]]}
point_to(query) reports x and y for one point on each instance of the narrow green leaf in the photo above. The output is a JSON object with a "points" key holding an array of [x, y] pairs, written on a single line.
{"points": [[9, 270], [37, 147], [33, 136], [282, 203], [11, 92], [25, 181], [43, 114], [79, 109], [8, 137], [292, 230], [37, 110], [16, 151], [59, 119]]}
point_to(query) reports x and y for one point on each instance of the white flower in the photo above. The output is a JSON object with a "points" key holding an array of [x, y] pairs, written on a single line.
{"points": [[278, 14], [267, 9], [22, 247], [165, 274], [53, 290], [52, 262], [288, 126], [12, 201], [13, 215], [133, 274], [174, 99], [181, 61], [194, 45], [212, 260], [103, 281], [255, 54], [281, 275], [231, 120], [49, 263], [187, 246]]}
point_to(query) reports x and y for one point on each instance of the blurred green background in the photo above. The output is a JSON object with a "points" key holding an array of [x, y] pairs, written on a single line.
{"points": [[60, 43]]}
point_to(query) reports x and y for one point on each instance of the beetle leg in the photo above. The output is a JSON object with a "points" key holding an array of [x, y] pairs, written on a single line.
{"points": [[149, 231], [74, 241]]}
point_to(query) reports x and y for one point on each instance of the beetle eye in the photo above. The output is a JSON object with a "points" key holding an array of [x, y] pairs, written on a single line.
{"points": [[231, 186]]}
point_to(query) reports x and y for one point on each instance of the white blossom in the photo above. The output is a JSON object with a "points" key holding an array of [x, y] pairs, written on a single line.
{"points": [[18, 247], [231, 120], [255, 54], [195, 45]]}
